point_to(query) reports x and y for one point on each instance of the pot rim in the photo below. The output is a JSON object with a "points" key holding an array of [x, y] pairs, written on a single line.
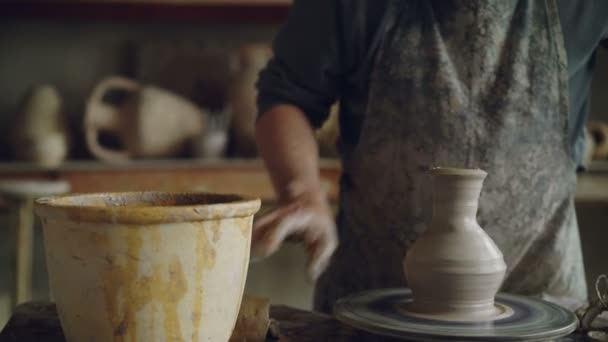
{"points": [[145, 207]]}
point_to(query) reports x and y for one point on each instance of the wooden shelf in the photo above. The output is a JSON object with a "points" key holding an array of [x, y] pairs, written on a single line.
{"points": [[247, 177], [199, 11]]}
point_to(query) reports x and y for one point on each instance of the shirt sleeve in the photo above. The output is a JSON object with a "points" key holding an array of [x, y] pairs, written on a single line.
{"points": [[306, 67]]}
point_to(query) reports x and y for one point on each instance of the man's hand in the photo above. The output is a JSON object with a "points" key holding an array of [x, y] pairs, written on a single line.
{"points": [[308, 218]]}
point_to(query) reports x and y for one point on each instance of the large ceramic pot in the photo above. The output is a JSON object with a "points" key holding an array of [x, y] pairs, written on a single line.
{"points": [[147, 266], [455, 269]]}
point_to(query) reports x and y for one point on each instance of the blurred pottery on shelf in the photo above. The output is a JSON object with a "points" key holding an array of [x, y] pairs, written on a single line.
{"points": [[214, 141], [246, 64], [39, 134], [150, 122], [328, 134], [589, 150], [598, 131]]}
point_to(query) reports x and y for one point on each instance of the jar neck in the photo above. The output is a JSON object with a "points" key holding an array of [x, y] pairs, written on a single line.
{"points": [[456, 201], [450, 211]]}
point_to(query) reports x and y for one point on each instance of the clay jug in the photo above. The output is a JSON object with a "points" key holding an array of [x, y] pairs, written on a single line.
{"points": [[151, 122], [454, 268], [147, 266], [246, 65], [39, 133]]}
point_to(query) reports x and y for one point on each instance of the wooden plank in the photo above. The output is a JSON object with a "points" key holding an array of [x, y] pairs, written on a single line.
{"points": [[306, 326], [172, 2], [38, 322], [202, 12], [592, 187], [241, 177], [33, 322]]}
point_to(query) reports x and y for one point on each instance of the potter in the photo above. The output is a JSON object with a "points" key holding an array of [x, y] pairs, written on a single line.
{"points": [[147, 266], [500, 86]]}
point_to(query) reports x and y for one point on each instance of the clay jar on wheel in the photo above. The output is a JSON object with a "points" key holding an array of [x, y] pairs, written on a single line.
{"points": [[455, 269]]}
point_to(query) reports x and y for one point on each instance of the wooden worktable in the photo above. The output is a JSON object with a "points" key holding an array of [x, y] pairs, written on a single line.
{"points": [[38, 322]]}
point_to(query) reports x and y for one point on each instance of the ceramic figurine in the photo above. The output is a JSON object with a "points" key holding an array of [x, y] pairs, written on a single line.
{"points": [[213, 142], [247, 63], [589, 150], [599, 133], [147, 266], [328, 135], [39, 133], [454, 268], [151, 123]]}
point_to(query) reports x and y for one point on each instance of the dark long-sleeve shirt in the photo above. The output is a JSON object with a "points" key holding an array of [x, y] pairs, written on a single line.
{"points": [[325, 51]]}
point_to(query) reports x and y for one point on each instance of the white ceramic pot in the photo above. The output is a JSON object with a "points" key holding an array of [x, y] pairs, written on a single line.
{"points": [[39, 133], [455, 269], [152, 122], [147, 266], [47, 151]]}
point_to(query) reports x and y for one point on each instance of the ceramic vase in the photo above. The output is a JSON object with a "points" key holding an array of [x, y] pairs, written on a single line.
{"points": [[455, 269], [147, 266], [598, 131], [213, 144], [151, 123], [39, 133]]}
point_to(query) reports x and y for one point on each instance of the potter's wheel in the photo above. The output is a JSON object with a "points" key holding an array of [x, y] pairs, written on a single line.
{"points": [[384, 312]]}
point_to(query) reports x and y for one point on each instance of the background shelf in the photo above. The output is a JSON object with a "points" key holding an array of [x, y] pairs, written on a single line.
{"points": [[204, 11]]}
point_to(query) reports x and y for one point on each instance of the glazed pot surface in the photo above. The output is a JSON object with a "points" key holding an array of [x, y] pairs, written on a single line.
{"points": [[147, 266]]}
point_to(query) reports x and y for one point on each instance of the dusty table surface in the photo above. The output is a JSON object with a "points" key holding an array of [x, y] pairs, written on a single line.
{"points": [[38, 322]]}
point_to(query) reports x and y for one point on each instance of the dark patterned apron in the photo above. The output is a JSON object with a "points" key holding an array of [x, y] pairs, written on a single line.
{"points": [[463, 83]]}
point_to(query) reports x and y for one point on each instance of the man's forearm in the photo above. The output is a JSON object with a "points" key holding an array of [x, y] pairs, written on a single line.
{"points": [[287, 144]]}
